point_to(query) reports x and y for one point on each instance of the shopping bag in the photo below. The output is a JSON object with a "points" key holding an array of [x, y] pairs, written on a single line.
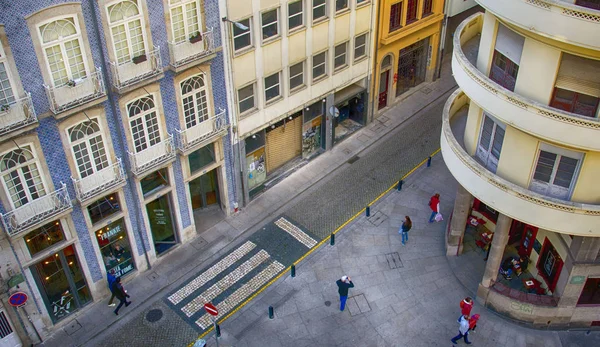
{"points": [[438, 217]]}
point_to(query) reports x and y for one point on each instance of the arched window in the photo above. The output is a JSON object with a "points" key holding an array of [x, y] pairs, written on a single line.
{"points": [[386, 62], [61, 43], [7, 96], [195, 100], [21, 176], [127, 30], [185, 19], [88, 147], [143, 122]]}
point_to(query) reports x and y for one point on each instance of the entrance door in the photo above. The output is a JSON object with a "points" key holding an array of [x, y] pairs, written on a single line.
{"points": [[412, 66], [162, 226], [383, 89], [204, 190]]}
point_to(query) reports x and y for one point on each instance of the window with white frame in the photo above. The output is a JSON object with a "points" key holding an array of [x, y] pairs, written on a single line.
{"points": [[195, 100], [295, 14], [555, 172], [21, 176], [63, 53], [242, 38], [339, 59], [127, 30], [246, 98], [490, 142], [296, 75], [341, 5], [360, 2], [88, 148], [143, 121], [270, 24], [360, 46], [185, 19], [7, 95], [272, 87], [319, 10], [319, 65]]}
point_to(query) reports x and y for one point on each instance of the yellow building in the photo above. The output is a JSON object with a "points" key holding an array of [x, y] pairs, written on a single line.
{"points": [[406, 48]]}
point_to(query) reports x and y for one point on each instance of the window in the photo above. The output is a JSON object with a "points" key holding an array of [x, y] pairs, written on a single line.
{"points": [[490, 142], [295, 14], [143, 122], [154, 181], [360, 47], [242, 38], [341, 5], [195, 101], [319, 66], [411, 11], [88, 148], [427, 8], [549, 264], [590, 295], [296, 75], [594, 4], [127, 30], [115, 249], [272, 89], [185, 19], [201, 157], [44, 237], [270, 24], [246, 98], [396, 17], [61, 43], [504, 71], [555, 172], [359, 2], [104, 207], [319, 10], [579, 103], [21, 176], [339, 59], [7, 95]]}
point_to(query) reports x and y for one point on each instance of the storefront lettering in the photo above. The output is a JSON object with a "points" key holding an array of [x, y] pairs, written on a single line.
{"points": [[110, 233], [522, 307], [159, 217], [120, 272]]}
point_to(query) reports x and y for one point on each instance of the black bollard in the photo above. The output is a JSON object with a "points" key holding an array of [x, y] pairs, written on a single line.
{"points": [[332, 240], [400, 185], [293, 269], [368, 211], [429, 162], [218, 330], [271, 315]]}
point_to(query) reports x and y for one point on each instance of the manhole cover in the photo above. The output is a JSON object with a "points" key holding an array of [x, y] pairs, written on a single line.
{"points": [[154, 315], [327, 303]]}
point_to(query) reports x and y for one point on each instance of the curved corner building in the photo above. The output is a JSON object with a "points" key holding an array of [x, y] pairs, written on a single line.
{"points": [[522, 137]]}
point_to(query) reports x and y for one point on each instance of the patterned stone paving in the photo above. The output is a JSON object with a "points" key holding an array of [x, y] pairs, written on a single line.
{"points": [[296, 232]]}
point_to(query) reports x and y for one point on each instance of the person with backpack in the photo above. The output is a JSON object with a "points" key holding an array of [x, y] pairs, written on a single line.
{"points": [[434, 205], [404, 228], [120, 293]]}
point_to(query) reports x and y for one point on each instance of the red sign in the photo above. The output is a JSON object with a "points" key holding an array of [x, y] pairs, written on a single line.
{"points": [[211, 309], [18, 299]]}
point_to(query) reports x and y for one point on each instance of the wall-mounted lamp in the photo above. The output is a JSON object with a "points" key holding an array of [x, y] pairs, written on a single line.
{"points": [[254, 136], [323, 100], [273, 126], [307, 109], [238, 25], [290, 118]]}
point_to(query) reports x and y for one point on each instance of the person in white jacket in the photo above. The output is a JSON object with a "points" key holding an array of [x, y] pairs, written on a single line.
{"points": [[463, 330]]}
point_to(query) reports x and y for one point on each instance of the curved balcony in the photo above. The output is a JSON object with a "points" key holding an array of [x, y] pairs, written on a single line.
{"points": [[520, 112], [556, 20], [508, 198]]}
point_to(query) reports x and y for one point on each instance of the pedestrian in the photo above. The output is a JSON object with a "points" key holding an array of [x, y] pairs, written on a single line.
{"points": [[344, 284], [119, 293], [473, 322], [404, 228], [434, 205], [110, 277], [466, 306], [463, 330]]}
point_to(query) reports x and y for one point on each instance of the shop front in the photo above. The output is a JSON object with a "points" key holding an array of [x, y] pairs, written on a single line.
{"points": [[412, 66], [204, 183], [313, 130], [350, 111], [115, 248]]}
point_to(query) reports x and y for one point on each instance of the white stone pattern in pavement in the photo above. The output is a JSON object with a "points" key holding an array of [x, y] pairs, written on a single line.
{"points": [[296, 232], [226, 282], [211, 273], [242, 293]]}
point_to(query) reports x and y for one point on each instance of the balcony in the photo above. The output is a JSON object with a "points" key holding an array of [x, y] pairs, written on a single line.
{"points": [[76, 92], [520, 112], [508, 198], [37, 212], [556, 20], [100, 182], [152, 157], [184, 52], [201, 133], [17, 115], [129, 73]]}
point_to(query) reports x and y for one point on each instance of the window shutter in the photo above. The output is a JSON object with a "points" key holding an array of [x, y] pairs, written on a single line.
{"points": [[544, 166], [579, 74], [565, 172], [509, 43], [497, 144]]}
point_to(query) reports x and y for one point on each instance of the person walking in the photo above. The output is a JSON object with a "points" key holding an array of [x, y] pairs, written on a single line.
{"points": [[463, 330], [119, 293], [466, 306], [344, 284], [434, 205], [404, 228], [110, 277]]}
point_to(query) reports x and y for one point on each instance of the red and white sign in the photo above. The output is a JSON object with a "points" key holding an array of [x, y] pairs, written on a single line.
{"points": [[211, 309]]}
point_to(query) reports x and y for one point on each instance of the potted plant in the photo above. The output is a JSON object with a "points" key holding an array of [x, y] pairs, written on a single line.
{"points": [[5, 108], [71, 83], [139, 59], [196, 37]]}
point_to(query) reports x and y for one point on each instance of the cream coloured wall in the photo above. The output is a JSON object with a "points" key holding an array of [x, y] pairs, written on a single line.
{"points": [[587, 189], [487, 43], [472, 128], [266, 4], [457, 6], [272, 58], [537, 71], [342, 28], [518, 153], [320, 37], [297, 47], [242, 74], [362, 20], [239, 9]]}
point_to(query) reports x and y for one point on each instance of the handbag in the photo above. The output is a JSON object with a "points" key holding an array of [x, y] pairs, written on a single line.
{"points": [[438, 217]]}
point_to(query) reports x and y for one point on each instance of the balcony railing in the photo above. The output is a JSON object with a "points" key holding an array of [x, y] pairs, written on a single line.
{"points": [[183, 52], [139, 68], [152, 157], [17, 115], [76, 92], [37, 211], [99, 182], [201, 132]]}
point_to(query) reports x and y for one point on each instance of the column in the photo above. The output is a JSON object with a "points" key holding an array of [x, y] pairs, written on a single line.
{"points": [[462, 205], [497, 250]]}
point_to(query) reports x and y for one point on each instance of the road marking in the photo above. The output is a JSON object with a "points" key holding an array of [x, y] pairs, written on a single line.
{"points": [[296, 232]]}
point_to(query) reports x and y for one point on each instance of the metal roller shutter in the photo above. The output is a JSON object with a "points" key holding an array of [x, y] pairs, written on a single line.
{"points": [[579, 75], [284, 143]]}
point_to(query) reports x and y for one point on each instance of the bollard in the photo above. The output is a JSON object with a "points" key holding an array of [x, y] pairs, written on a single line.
{"points": [[332, 240], [429, 162], [293, 269], [218, 330], [400, 185], [271, 315], [368, 211]]}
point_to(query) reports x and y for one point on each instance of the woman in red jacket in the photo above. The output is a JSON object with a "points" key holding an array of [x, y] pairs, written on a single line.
{"points": [[434, 204]]}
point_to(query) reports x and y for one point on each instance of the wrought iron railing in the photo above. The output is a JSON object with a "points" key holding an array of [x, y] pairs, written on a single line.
{"points": [[17, 114], [153, 156], [139, 68], [76, 92], [100, 181], [196, 47], [201, 132]]}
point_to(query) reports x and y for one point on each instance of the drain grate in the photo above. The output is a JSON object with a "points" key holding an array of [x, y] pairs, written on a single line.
{"points": [[327, 303], [154, 315], [353, 159], [393, 260]]}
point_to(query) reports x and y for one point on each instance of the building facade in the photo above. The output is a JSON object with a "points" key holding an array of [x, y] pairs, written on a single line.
{"points": [[298, 81], [114, 144], [521, 138]]}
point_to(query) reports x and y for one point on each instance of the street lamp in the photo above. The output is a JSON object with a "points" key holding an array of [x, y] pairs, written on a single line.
{"points": [[239, 25]]}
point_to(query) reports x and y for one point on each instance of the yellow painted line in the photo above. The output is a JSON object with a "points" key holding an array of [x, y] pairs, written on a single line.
{"points": [[245, 302]]}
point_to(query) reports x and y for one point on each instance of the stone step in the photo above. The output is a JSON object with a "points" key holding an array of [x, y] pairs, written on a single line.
{"points": [[211, 273], [296, 232], [224, 283], [242, 293]]}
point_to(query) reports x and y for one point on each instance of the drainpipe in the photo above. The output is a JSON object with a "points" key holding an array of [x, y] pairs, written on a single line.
{"points": [[376, 7], [443, 37]]}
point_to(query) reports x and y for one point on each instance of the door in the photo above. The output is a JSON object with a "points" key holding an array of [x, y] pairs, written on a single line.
{"points": [[412, 66], [516, 232], [204, 190], [383, 89], [490, 143], [529, 234], [161, 224], [504, 71]]}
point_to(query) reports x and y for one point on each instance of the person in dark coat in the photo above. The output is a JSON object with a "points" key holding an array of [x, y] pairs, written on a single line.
{"points": [[119, 293], [344, 284], [404, 228], [110, 277]]}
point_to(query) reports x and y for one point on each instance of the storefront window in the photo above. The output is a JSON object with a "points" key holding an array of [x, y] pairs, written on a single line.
{"points": [[44, 237], [549, 264], [155, 181], [590, 295], [311, 137], [255, 164], [104, 207], [201, 157], [115, 248], [161, 223], [351, 117]]}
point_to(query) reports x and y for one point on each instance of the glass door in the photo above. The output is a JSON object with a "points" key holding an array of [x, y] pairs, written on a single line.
{"points": [[204, 190], [161, 224]]}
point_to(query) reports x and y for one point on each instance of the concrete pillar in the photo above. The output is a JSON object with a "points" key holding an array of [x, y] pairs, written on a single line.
{"points": [[462, 205], [497, 250]]}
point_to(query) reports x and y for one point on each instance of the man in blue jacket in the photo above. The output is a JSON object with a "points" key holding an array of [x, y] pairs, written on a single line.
{"points": [[110, 277], [344, 284]]}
